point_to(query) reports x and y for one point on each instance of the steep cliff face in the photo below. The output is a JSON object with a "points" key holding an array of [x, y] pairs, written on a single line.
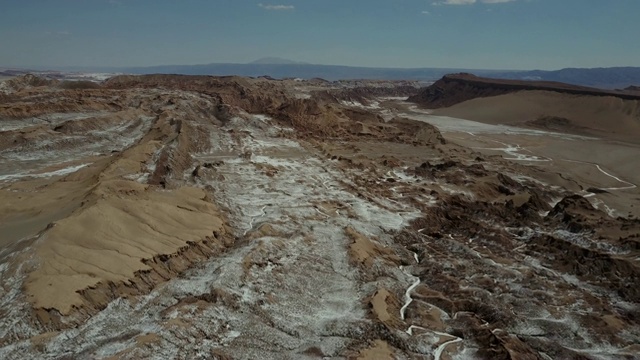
{"points": [[457, 88]]}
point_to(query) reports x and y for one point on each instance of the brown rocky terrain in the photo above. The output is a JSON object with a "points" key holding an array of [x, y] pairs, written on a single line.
{"points": [[167, 216]]}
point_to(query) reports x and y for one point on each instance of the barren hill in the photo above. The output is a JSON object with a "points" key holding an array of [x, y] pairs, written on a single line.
{"points": [[456, 88], [548, 105]]}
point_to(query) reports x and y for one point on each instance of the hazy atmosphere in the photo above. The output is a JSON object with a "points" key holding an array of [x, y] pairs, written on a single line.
{"points": [[493, 34]]}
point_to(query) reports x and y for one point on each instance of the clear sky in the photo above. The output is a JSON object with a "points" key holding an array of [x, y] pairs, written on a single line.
{"points": [[493, 34]]}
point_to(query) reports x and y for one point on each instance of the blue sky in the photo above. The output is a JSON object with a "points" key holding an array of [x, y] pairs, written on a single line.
{"points": [[493, 34]]}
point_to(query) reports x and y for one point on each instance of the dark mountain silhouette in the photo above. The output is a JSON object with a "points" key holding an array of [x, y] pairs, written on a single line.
{"points": [[301, 70], [607, 78], [277, 61], [604, 78]]}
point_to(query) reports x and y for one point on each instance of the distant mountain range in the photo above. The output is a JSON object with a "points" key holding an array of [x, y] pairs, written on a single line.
{"points": [[279, 69], [607, 78], [277, 61]]}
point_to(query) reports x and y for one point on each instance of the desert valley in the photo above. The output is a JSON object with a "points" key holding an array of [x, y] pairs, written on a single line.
{"points": [[171, 216]]}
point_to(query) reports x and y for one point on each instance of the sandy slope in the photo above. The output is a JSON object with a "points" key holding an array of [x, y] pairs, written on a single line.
{"points": [[608, 117], [549, 106], [108, 241], [575, 162]]}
